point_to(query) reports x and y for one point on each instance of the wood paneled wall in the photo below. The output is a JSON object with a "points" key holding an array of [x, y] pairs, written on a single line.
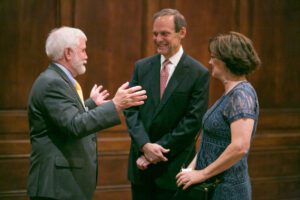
{"points": [[120, 32]]}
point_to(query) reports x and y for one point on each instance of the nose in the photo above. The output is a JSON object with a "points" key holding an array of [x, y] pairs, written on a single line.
{"points": [[210, 61], [158, 38]]}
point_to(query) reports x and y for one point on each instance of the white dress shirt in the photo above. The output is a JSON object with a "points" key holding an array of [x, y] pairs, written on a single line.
{"points": [[174, 62]]}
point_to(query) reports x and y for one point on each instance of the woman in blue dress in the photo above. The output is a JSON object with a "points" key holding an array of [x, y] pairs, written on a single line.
{"points": [[229, 125]]}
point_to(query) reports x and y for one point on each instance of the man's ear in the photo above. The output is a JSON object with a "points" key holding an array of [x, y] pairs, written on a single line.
{"points": [[68, 53], [182, 32]]}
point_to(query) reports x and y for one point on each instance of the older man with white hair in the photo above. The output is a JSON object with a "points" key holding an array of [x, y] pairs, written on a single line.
{"points": [[63, 161]]}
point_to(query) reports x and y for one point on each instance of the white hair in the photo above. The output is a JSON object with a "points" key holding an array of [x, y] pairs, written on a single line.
{"points": [[61, 38]]}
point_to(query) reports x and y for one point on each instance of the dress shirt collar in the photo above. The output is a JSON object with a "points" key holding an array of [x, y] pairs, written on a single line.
{"points": [[175, 58], [67, 72]]}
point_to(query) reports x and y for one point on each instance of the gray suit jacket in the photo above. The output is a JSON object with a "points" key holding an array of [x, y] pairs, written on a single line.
{"points": [[173, 121], [63, 161]]}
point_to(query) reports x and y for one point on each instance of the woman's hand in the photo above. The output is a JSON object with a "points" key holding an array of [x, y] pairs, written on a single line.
{"points": [[186, 178]]}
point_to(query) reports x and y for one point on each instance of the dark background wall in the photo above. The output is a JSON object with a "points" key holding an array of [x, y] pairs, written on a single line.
{"points": [[120, 32]]}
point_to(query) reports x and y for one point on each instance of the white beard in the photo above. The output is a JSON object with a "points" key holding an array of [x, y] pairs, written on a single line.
{"points": [[78, 65]]}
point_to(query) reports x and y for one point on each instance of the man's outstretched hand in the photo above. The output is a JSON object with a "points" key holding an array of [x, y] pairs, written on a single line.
{"points": [[127, 97]]}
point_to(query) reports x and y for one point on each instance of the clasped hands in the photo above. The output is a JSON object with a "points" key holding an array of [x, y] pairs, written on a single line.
{"points": [[124, 98], [153, 153]]}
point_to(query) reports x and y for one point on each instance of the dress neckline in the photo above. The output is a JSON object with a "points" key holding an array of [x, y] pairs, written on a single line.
{"points": [[228, 92]]}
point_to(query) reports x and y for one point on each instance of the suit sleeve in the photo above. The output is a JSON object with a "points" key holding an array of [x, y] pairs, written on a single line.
{"points": [[90, 103], [134, 123], [188, 127], [62, 110]]}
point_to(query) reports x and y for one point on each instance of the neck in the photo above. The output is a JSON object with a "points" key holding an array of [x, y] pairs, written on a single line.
{"points": [[68, 67], [172, 53], [231, 83]]}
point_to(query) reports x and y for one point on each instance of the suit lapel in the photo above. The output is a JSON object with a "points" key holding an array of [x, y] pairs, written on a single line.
{"points": [[155, 80], [64, 76], [179, 74]]}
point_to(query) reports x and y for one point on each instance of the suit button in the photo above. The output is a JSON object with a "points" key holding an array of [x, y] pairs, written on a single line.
{"points": [[94, 139]]}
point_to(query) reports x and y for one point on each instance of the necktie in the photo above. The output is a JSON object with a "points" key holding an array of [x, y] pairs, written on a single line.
{"points": [[164, 75], [79, 91]]}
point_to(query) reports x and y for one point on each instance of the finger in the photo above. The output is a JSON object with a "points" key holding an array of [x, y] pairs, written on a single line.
{"points": [[163, 150], [137, 103], [99, 88], [185, 186], [165, 159], [94, 88], [105, 96], [145, 165], [134, 89], [162, 157], [178, 175], [179, 182], [138, 97], [139, 162], [104, 92], [124, 86], [140, 167], [137, 93]]}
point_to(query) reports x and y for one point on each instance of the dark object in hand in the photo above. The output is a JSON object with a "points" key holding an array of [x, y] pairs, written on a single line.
{"points": [[201, 191]]}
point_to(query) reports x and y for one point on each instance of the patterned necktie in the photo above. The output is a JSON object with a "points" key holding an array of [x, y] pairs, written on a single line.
{"points": [[164, 75], [79, 91]]}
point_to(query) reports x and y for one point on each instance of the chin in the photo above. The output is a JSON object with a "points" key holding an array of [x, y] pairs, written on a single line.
{"points": [[213, 74], [159, 51], [162, 51], [81, 70]]}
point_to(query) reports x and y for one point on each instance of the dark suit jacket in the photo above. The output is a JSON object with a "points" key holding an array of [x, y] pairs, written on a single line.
{"points": [[63, 161], [172, 121]]}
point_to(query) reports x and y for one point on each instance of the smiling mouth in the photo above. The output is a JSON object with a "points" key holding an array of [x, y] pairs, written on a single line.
{"points": [[161, 46]]}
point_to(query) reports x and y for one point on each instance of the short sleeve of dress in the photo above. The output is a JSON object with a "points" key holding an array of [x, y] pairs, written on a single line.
{"points": [[242, 104]]}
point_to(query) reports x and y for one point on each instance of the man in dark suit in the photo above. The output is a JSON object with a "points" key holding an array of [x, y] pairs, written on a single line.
{"points": [[163, 129], [63, 161]]}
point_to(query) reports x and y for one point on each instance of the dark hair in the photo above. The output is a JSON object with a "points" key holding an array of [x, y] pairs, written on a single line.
{"points": [[236, 51], [179, 19]]}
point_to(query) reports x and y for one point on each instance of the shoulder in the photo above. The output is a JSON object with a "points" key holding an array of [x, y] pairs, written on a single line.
{"points": [[196, 70], [243, 91], [194, 64], [148, 60], [145, 65], [242, 102], [46, 83], [49, 79]]}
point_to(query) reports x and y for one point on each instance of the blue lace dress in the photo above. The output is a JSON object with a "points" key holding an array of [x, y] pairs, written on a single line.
{"points": [[240, 102]]}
